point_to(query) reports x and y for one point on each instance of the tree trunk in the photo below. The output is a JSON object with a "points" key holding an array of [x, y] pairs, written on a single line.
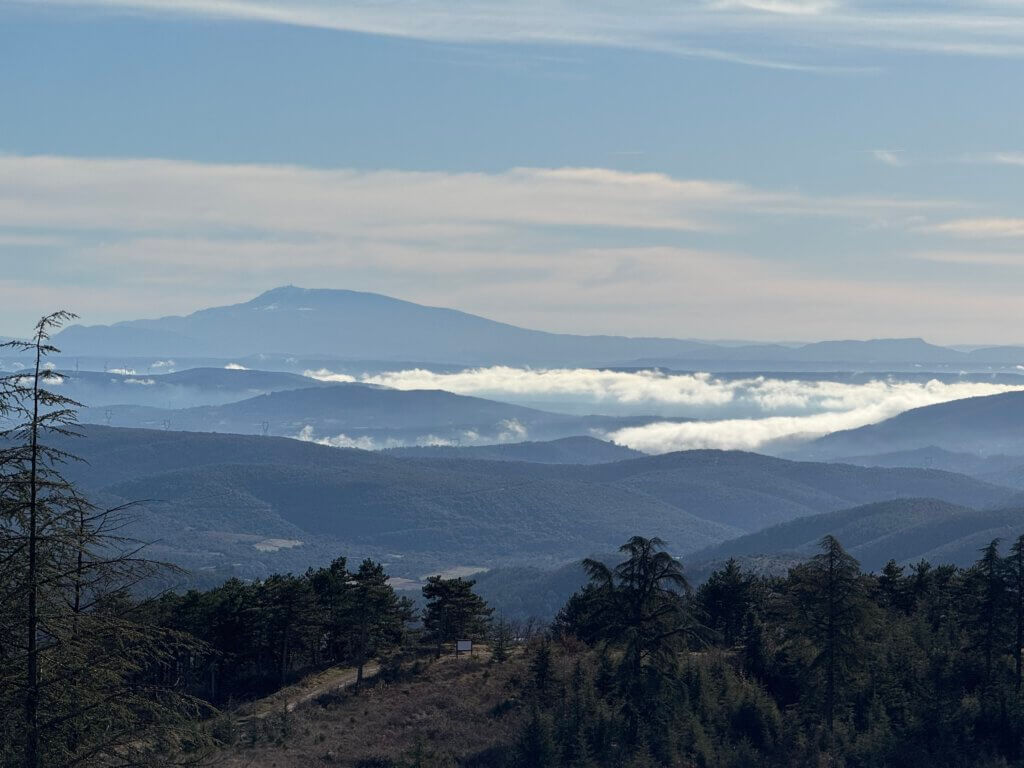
{"points": [[32, 666]]}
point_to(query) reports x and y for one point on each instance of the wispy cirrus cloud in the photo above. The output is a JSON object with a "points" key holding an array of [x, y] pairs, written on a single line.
{"points": [[557, 248], [987, 227], [891, 157], [799, 34]]}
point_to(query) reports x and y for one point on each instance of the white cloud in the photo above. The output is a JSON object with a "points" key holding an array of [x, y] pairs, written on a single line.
{"points": [[529, 246], [754, 434], [325, 375], [698, 394], [804, 34], [235, 367], [304, 208], [742, 413], [890, 157], [307, 434], [973, 258], [981, 227]]}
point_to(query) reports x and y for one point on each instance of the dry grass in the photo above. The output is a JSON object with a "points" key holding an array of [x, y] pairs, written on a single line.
{"points": [[445, 712]]}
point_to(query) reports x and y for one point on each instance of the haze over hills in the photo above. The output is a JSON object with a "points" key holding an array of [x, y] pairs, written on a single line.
{"points": [[225, 502], [904, 530], [352, 324], [349, 412], [983, 426], [566, 450], [180, 389]]}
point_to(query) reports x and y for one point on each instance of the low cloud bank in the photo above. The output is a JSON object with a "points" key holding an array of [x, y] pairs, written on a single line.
{"points": [[755, 434], [506, 431], [736, 413]]}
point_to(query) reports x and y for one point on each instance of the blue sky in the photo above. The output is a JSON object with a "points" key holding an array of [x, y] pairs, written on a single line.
{"points": [[749, 169]]}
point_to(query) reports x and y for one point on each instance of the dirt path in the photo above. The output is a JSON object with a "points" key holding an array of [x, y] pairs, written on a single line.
{"points": [[329, 681]]}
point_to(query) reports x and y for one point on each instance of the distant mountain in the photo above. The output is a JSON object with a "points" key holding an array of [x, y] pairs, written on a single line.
{"points": [[342, 324], [979, 425], [567, 450], [352, 324], [373, 414], [905, 530], [246, 505]]}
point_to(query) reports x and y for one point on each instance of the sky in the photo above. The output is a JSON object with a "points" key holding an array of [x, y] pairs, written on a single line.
{"points": [[754, 169]]}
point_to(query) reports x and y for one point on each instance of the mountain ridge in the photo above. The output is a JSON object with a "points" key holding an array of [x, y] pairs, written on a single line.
{"points": [[321, 322]]}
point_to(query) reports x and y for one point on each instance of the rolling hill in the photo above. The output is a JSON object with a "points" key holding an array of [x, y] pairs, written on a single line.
{"points": [[567, 450], [248, 505], [368, 416], [182, 389], [979, 425], [905, 530]]}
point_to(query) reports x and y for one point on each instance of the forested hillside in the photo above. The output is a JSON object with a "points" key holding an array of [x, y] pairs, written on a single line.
{"points": [[223, 504]]}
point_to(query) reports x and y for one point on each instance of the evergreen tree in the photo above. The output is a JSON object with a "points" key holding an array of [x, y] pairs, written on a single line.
{"points": [[1018, 606], [378, 616], [501, 639], [453, 611], [82, 680], [987, 605], [725, 598], [540, 668], [830, 608], [640, 604]]}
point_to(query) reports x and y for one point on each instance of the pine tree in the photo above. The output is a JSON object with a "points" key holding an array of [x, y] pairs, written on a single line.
{"points": [[454, 611], [726, 597], [82, 680], [501, 638], [378, 616], [830, 608], [988, 602], [1018, 606], [540, 669]]}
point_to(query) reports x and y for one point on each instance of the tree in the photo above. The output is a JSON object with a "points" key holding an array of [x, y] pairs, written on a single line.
{"points": [[640, 605], [830, 609], [84, 681], [453, 611], [288, 613], [726, 598], [988, 600], [378, 616], [1018, 606]]}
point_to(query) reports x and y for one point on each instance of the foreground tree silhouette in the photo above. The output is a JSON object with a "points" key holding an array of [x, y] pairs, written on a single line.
{"points": [[641, 607], [80, 682], [829, 607], [640, 604]]}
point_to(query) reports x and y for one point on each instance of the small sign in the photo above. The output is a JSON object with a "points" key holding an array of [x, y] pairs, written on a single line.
{"points": [[463, 646]]}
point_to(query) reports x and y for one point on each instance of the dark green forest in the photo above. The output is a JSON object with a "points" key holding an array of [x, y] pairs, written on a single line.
{"points": [[828, 665]]}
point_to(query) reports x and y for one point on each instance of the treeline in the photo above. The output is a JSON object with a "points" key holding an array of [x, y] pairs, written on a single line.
{"points": [[259, 636], [917, 666]]}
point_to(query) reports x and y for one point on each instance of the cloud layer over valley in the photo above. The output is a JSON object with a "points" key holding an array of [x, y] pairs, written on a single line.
{"points": [[738, 413]]}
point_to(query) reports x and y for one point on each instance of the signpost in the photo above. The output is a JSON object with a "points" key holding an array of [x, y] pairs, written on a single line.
{"points": [[463, 646]]}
